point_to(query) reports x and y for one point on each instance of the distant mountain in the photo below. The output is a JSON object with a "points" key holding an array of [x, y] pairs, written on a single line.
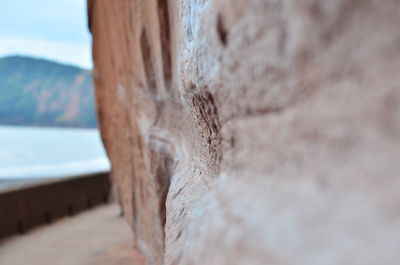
{"points": [[44, 93]]}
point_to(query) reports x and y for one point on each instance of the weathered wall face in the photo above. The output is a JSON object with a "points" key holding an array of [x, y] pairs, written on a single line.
{"points": [[253, 132]]}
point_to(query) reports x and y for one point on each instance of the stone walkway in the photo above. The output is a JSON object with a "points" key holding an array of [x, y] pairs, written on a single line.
{"points": [[95, 237]]}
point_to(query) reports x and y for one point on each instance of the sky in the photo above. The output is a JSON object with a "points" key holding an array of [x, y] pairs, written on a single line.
{"points": [[50, 29]]}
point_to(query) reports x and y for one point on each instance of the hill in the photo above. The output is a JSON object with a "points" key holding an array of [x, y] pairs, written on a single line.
{"points": [[37, 92]]}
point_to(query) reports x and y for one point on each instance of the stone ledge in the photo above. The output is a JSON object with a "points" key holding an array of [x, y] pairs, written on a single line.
{"points": [[25, 206]]}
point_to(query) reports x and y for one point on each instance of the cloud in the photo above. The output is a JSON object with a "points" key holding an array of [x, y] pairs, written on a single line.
{"points": [[63, 52]]}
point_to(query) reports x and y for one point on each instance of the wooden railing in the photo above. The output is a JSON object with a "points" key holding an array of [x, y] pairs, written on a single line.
{"points": [[31, 205]]}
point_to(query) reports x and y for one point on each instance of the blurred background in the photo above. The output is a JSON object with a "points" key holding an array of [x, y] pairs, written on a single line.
{"points": [[47, 110]]}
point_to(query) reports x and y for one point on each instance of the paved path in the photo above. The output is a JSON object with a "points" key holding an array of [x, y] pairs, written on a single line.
{"points": [[95, 237]]}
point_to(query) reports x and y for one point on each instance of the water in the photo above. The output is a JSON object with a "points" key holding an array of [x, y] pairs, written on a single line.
{"points": [[28, 153]]}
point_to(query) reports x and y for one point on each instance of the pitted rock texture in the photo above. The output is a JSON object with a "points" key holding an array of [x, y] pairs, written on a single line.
{"points": [[253, 132]]}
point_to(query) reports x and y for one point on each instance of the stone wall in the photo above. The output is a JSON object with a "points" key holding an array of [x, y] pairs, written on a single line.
{"points": [[253, 131]]}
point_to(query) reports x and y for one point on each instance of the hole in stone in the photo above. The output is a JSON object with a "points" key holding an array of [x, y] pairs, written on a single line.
{"points": [[221, 30], [163, 16], [148, 62], [232, 141]]}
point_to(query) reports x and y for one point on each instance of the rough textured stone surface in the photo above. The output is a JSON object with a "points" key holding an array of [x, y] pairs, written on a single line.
{"points": [[253, 132]]}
